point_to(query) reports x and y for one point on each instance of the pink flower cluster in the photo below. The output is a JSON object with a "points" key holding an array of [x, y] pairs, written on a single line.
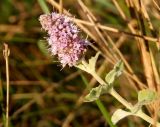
{"points": [[64, 39]]}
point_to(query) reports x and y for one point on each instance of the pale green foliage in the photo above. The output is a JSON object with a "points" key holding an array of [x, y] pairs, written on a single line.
{"points": [[95, 93], [119, 114], [117, 71], [89, 67], [146, 96], [92, 62]]}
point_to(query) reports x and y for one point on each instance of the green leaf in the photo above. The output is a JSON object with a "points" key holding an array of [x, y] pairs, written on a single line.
{"points": [[81, 66], [43, 47], [92, 61], [119, 68], [89, 67], [146, 96], [110, 77], [119, 114], [95, 93], [117, 71]]}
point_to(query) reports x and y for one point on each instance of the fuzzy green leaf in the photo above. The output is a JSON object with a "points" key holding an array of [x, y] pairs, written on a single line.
{"points": [[81, 66], [95, 93], [146, 96], [117, 71], [92, 62], [110, 77], [89, 67], [119, 68], [119, 114]]}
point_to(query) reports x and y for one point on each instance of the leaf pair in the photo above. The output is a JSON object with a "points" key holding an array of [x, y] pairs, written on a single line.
{"points": [[145, 96]]}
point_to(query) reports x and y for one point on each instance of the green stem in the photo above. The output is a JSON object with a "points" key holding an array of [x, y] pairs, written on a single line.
{"points": [[121, 99], [105, 113], [145, 117], [44, 7]]}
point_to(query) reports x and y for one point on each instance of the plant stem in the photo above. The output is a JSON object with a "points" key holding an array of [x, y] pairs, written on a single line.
{"points": [[124, 102], [147, 118], [120, 99], [6, 54], [105, 113]]}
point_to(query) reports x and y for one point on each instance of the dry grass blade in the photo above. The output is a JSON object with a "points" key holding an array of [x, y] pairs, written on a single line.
{"points": [[155, 3], [101, 40], [6, 53], [114, 30], [145, 48], [61, 6]]}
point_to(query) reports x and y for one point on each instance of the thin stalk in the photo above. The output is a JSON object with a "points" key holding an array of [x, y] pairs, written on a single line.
{"points": [[44, 7], [6, 55], [105, 113], [121, 99]]}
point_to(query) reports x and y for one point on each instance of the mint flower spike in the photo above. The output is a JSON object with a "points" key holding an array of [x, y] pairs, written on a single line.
{"points": [[63, 38]]}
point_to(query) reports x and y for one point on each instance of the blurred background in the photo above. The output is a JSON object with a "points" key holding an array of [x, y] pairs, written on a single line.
{"points": [[42, 94]]}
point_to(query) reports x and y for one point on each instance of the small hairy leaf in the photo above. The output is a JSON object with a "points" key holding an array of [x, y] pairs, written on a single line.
{"points": [[81, 66], [119, 68], [89, 67], [117, 71], [119, 114], [110, 77], [92, 61], [146, 96], [95, 93]]}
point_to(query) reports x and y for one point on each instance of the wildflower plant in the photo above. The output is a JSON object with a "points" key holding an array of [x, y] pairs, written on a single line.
{"points": [[65, 42]]}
